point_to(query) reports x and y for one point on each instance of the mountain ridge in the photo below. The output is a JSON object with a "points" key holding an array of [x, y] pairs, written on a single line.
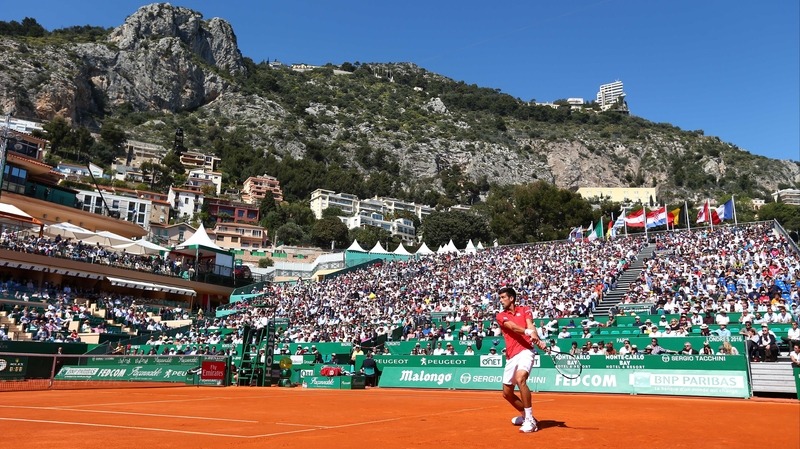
{"points": [[406, 130]]}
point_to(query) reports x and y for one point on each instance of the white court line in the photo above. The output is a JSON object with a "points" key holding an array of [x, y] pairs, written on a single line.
{"points": [[189, 432], [298, 425], [147, 402], [153, 429], [128, 413]]}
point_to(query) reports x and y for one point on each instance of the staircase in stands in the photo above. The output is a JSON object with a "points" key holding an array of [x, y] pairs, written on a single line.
{"points": [[614, 297], [772, 377]]}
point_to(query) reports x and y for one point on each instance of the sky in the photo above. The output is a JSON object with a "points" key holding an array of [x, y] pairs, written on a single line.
{"points": [[730, 68]]}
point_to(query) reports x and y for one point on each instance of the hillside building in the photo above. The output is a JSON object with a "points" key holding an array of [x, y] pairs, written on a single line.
{"points": [[255, 188], [609, 94], [787, 196], [624, 195]]}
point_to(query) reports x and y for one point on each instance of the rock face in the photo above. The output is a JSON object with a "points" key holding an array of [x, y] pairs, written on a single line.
{"points": [[162, 58], [213, 41]]}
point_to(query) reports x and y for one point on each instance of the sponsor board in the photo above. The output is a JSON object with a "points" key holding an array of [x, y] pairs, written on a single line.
{"points": [[13, 367], [796, 371], [146, 373], [323, 382], [212, 371], [658, 382], [189, 360]]}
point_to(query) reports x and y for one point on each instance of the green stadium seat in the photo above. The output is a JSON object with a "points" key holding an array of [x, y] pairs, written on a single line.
{"points": [[614, 332], [627, 332]]}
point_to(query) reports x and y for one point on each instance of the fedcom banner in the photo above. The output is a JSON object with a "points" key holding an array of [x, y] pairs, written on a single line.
{"points": [[145, 373], [659, 382]]}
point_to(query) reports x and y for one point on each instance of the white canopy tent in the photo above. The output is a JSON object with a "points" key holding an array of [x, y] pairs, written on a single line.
{"points": [[424, 250], [200, 246], [451, 247], [141, 247], [69, 231], [441, 250], [470, 249], [401, 251], [378, 249], [356, 247], [480, 246], [107, 238]]}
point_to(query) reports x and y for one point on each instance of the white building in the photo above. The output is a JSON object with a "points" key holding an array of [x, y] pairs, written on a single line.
{"points": [[401, 227], [72, 170], [185, 202], [609, 94], [575, 101], [25, 126], [351, 205], [199, 178], [130, 208], [788, 196]]}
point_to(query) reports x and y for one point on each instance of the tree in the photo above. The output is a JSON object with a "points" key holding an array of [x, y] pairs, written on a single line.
{"points": [[439, 228], [173, 162], [267, 205], [329, 229], [332, 212], [113, 136], [290, 234], [265, 262], [57, 133], [787, 215]]}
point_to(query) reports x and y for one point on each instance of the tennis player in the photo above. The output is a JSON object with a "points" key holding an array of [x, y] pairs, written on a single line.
{"points": [[520, 335]]}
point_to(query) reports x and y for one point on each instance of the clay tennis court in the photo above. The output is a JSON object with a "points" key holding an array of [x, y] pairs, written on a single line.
{"points": [[194, 417]]}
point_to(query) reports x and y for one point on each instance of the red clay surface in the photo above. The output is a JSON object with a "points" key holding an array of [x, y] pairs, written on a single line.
{"points": [[241, 417]]}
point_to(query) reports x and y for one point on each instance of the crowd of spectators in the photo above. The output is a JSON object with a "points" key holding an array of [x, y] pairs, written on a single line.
{"points": [[90, 253], [556, 280]]}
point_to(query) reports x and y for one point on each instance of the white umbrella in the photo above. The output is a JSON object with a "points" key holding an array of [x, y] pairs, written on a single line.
{"points": [[107, 238], [68, 230], [141, 247]]}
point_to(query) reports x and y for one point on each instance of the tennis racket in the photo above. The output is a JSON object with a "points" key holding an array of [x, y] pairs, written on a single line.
{"points": [[566, 364]]}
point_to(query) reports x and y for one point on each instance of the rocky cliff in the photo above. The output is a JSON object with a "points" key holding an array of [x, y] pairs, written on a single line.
{"points": [[169, 63]]}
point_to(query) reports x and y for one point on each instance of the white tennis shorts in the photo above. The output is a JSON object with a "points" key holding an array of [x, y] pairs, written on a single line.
{"points": [[522, 361]]}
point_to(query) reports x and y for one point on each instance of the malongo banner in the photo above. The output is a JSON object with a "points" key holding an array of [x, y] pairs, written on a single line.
{"points": [[681, 376]]}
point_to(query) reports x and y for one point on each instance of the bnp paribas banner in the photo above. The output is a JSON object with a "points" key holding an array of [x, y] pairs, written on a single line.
{"points": [[647, 378]]}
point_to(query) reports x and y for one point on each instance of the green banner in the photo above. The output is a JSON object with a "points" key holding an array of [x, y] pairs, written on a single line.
{"points": [[142, 373], [796, 371], [661, 375], [322, 382], [13, 367], [459, 361], [635, 308], [323, 348]]}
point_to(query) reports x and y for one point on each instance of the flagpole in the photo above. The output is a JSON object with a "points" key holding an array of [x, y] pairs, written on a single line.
{"points": [[709, 217], [625, 223], [608, 234], [686, 211], [644, 212], [735, 220]]}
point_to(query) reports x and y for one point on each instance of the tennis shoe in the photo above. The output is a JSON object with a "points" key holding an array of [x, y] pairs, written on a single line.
{"points": [[518, 420], [529, 426]]}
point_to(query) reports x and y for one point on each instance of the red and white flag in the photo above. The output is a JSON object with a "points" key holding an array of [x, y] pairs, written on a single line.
{"points": [[707, 214], [636, 219]]}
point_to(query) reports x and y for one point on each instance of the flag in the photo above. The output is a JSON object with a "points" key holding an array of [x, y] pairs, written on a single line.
{"points": [[657, 217], [576, 234], [597, 232], [635, 219], [725, 211], [613, 226], [676, 216], [707, 214]]}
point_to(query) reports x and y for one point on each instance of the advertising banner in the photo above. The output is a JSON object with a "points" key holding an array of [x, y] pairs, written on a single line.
{"points": [[213, 371], [188, 360], [796, 371], [471, 361], [668, 375], [13, 367], [144, 373], [322, 382]]}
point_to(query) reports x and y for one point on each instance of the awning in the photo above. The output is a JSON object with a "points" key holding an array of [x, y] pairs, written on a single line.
{"points": [[130, 283], [22, 265], [80, 274]]}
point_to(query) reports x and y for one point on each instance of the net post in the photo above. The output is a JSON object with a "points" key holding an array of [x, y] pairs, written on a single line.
{"points": [[53, 371]]}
